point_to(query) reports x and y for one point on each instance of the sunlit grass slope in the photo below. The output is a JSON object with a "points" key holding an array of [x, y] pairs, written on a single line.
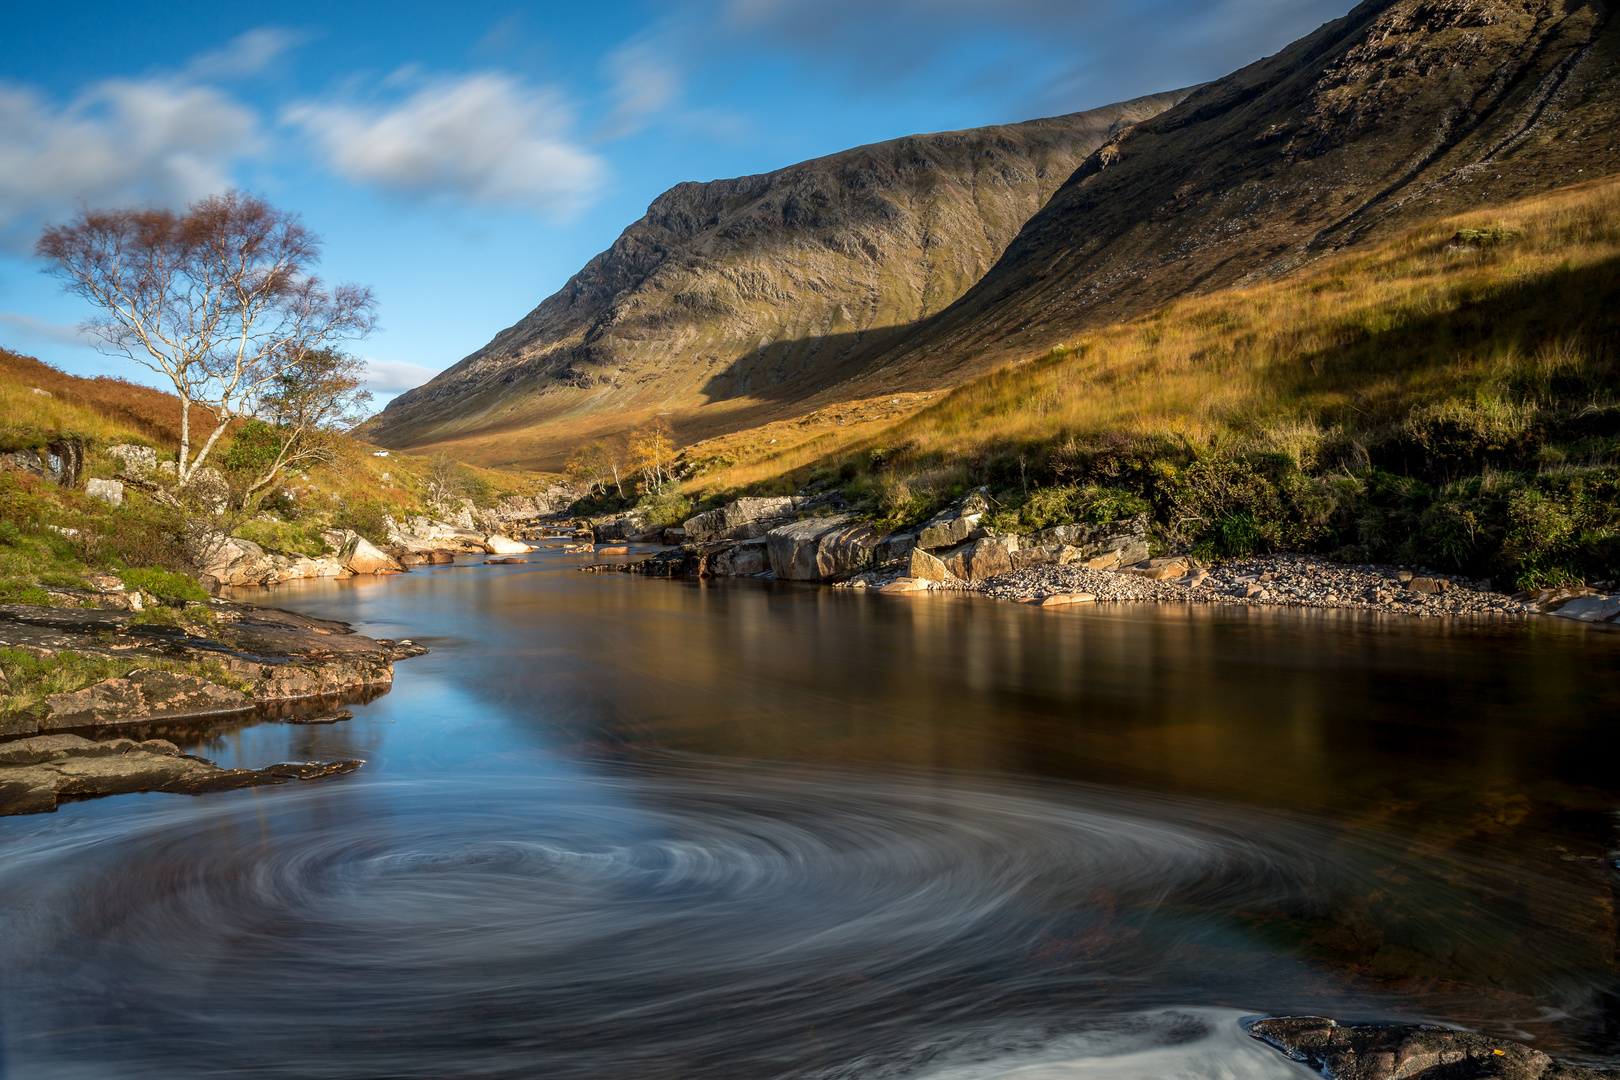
{"points": [[1459, 373]]}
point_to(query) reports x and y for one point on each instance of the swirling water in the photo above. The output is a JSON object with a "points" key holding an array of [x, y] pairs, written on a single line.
{"points": [[615, 827]]}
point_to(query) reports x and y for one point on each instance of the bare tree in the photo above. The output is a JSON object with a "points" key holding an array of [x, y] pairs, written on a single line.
{"points": [[221, 299], [446, 483]]}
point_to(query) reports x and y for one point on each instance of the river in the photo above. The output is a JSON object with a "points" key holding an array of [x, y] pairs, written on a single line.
{"points": [[620, 827]]}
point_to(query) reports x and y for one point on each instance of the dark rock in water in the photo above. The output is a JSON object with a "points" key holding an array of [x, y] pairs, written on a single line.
{"points": [[1407, 1052], [334, 717], [404, 648], [37, 773]]}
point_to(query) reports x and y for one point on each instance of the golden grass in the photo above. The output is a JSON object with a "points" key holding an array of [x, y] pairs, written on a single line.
{"points": [[1356, 340]]}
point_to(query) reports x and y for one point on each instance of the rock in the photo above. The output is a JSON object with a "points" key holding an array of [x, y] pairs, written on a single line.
{"points": [[132, 461], [613, 549], [1591, 609], [741, 560], [36, 772], [673, 536], [361, 556], [26, 460], [821, 549], [894, 548], [744, 519], [143, 694], [905, 585], [110, 492], [618, 527], [1428, 585], [505, 560], [1064, 599], [955, 524], [438, 557], [1407, 1052], [496, 544], [925, 567], [983, 558], [1159, 569]]}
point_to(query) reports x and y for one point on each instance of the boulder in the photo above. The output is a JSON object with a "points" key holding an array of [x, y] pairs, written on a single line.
{"points": [[110, 492], [619, 527], [133, 462], [925, 567], [438, 557], [905, 585], [496, 544], [1591, 609], [955, 524], [28, 461], [673, 536], [741, 560], [1428, 585], [361, 556], [821, 549], [982, 558], [744, 519], [894, 548]]}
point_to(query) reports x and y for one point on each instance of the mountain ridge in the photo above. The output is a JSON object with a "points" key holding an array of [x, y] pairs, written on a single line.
{"points": [[729, 286]]}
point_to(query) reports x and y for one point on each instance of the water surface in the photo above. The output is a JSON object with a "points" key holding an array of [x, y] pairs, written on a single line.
{"points": [[623, 827]]}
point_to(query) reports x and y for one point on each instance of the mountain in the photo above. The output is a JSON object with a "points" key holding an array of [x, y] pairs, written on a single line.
{"points": [[894, 267], [1402, 111], [772, 285]]}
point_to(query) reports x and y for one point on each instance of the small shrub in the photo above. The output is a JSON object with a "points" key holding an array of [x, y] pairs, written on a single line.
{"points": [[171, 588], [366, 516], [664, 509]]}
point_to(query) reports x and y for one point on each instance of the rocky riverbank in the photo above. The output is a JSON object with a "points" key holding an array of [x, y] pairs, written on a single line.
{"points": [[1408, 1052], [216, 660], [810, 539], [38, 773]]}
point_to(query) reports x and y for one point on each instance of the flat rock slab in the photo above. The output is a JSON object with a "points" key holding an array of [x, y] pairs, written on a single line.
{"points": [[1065, 599], [37, 773], [1407, 1052]]}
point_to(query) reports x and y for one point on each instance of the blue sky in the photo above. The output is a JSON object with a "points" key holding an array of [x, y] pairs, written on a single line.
{"points": [[465, 159]]}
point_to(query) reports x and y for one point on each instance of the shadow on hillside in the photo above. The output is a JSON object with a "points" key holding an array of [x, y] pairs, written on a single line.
{"points": [[1575, 312]]}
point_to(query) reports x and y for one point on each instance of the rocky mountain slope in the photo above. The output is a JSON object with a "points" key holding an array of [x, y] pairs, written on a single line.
{"points": [[774, 284], [1402, 111]]}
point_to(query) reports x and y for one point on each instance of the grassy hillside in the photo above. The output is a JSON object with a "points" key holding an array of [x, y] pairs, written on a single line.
{"points": [[57, 536], [1449, 397]]}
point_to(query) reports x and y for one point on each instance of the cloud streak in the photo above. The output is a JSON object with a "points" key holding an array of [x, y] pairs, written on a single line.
{"points": [[389, 377], [119, 141], [485, 139]]}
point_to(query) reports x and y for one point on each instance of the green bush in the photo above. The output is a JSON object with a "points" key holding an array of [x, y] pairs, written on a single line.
{"points": [[664, 509], [285, 537], [173, 589], [366, 516], [253, 448]]}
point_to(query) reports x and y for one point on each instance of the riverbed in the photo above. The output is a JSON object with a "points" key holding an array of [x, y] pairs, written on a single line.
{"points": [[621, 827]]}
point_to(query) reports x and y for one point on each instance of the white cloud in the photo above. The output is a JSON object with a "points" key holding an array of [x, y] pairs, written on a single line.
{"points": [[645, 82], [119, 141], [246, 54], [483, 138], [389, 377], [40, 329]]}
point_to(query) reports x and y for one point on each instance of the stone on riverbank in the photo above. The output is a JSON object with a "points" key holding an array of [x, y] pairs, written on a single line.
{"points": [[1407, 1052], [143, 694], [361, 556], [496, 544], [926, 567], [36, 773]]}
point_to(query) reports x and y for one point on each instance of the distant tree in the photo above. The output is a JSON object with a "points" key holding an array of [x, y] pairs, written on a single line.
{"points": [[220, 299], [588, 467], [652, 452], [446, 483]]}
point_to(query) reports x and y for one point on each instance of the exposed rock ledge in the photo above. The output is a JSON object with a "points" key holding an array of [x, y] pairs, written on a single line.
{"points": [[271, 657], [37, 773], [1408, 1052]]}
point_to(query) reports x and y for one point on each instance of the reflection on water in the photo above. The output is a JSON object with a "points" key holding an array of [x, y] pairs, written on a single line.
{"points": [[616, 827]]}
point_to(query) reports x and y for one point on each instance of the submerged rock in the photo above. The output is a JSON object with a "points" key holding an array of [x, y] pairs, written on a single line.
{"points": [[1407, 1052], [37, 773]]}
